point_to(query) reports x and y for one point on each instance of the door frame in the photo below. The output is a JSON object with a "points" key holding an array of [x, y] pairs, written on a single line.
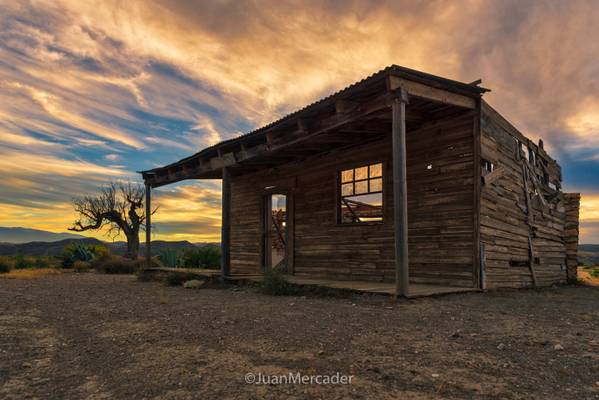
{"points": [[265, 202]]}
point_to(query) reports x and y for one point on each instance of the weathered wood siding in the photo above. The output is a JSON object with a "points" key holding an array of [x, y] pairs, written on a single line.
{"points": [[508, 219], [245, 235], [441, 202], [571, 232], [440, 196]]}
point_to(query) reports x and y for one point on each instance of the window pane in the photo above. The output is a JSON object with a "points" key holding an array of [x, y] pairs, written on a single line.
{"points": [[361, 173], [376, 170], [376, 185], [364, 208], [347, 175], [361, 187], [347, 189]]}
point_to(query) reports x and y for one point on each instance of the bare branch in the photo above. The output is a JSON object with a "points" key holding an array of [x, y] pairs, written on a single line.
{"points": [[118, 205]]}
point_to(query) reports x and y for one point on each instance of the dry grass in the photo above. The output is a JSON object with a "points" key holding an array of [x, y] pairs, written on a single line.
{"points": [[29, 273], [588, 275]]}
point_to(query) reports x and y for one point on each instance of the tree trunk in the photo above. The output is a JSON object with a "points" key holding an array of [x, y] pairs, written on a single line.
{"points": [[132, 245]]}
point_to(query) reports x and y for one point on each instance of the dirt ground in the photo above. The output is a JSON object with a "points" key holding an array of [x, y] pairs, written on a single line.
{"points": [[90, 336]]}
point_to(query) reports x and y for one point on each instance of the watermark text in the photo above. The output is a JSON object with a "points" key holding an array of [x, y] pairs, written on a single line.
{"points": [[297, 378]]}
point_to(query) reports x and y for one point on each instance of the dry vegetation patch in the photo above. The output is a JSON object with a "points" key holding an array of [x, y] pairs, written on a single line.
{"points": [[589, 275], [29, 273]]}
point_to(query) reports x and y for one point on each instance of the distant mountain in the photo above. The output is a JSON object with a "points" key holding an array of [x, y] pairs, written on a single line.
{"points": [[119, 248], [25, 235], [589, 247], [207, 244], [588, 254], [41, 248]]}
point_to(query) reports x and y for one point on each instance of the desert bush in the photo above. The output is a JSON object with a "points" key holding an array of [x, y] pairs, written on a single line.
{"points": [[154, 263], [4, 267], [274, 283], [202, 257], [23, 262], [117, 265], [170, 258], [594, 272], [100, 252], [41, 262], [81, 266], [178, 278]]}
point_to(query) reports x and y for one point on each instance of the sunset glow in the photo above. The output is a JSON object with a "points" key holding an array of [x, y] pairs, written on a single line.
{"points": [[93, 91]]}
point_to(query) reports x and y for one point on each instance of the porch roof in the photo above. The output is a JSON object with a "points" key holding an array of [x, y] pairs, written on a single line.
{"points": [[334, 121]]}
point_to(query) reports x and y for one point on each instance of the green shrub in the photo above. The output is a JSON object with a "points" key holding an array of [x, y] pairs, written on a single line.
{"points": [[22, 262], [76, 252], [83, 252], [178, 278], [274, 283], [203, 257], [170, 258], [41, 262], [4, 267]]}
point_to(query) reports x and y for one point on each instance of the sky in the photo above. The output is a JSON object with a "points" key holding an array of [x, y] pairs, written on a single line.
{"points": [[95, 91]]}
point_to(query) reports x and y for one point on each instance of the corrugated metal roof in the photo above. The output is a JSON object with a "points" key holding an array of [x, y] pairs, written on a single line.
{"points": [[423, 77]]}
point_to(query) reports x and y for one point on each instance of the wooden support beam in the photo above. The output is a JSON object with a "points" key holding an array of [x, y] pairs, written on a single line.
{"points": [[478, 248], [302, 126], [400, 193], [430, 93], [493, 176], [269, 138], [343, 137], [225, 240], [345, 106], [529, 222], [223, 160], [531, 263], [148, 226]]}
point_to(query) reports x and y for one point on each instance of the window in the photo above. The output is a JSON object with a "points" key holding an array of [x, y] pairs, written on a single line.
{"points": [[532, 156], [525, 152], [486, 166], [361, 194]]}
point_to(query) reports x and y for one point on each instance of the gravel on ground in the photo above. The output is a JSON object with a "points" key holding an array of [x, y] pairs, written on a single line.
{"points": [[92, 336]]}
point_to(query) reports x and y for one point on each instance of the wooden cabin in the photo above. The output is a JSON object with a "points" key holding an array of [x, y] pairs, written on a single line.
{"points": [[404, 179]]}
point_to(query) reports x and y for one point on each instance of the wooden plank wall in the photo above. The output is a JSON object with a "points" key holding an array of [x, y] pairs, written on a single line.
{"points": [[572, 231], [440, 211], [245, 234], [508, 219], [441, 203]]}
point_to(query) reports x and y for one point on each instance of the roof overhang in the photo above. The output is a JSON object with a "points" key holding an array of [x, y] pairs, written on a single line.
{"points": [[352, 115]]}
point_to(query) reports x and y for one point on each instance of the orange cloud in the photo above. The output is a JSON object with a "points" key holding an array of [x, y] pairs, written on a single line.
{"points": [[83, 72], [589, 207]]}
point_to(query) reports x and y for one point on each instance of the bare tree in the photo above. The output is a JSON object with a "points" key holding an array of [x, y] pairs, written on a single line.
{"points": [[120, 206]]}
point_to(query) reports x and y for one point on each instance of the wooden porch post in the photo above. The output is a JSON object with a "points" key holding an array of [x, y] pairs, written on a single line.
{"points": [[226, 223], [148, 226], [400, 193]]}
